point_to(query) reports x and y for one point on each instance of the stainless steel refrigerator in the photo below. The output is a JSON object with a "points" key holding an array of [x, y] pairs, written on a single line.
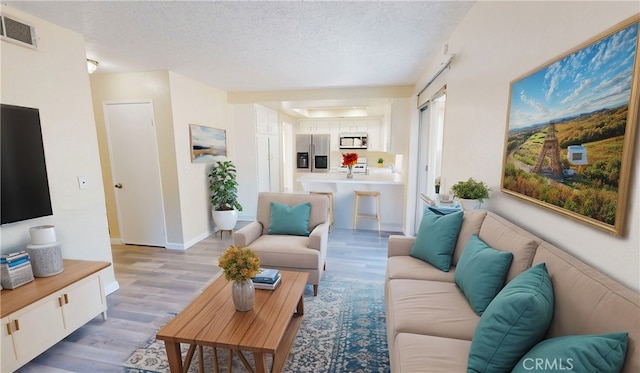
{"points": [[312, 153]]}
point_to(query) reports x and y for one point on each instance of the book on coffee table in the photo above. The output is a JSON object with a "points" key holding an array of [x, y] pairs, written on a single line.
{"points": [[267, 276], [266, 286]]}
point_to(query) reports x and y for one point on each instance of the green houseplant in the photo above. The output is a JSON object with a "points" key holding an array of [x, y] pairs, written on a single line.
{"points": [[470, 190], [224, 195], [380, 162]]}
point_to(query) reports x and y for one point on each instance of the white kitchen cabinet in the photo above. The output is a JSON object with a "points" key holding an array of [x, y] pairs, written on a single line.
{"points": [[268, 154], [266, 121], [37, 315], [353, 125], [376, 136]]}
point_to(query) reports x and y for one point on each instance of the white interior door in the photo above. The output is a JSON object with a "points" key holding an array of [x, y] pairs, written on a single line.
{"points": [[135, 167]]}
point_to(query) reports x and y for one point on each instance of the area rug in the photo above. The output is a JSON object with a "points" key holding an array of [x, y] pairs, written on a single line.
{"points": [[343, 330]]}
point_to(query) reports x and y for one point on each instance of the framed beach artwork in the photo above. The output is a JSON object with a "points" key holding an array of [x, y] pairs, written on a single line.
{"points": [[207, 144], [571, 129]]}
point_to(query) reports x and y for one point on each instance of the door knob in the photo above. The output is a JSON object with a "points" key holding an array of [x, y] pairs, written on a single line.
{"points": [[119, 186]]}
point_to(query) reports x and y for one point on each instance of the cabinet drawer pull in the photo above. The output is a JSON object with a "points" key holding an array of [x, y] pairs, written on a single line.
{"points": [[17, 325], [66, 298], [9, 330], [60, 301]]}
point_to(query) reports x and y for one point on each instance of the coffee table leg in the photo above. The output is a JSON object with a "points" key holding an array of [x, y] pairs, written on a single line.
{"points": [[261, 362], [174, 356], [300, 307]]}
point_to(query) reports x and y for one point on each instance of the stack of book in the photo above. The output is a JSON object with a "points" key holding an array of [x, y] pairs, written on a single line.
{"points": [[15, 270], [267, 279]]}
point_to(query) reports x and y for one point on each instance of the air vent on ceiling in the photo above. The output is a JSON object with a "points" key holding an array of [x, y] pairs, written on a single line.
{"points": [[16, 31]]}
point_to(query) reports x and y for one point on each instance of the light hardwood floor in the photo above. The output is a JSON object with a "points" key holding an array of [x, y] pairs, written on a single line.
{"points": [[155, 282]]}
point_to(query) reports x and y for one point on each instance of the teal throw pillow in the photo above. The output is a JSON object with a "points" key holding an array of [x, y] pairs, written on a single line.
{"points": [[516, 320], [577, 353], [437, 238], [292, 220], [480, 273]]}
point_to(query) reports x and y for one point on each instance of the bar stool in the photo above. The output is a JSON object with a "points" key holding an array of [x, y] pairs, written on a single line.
{"points": [[356, 214], [330, 195]]}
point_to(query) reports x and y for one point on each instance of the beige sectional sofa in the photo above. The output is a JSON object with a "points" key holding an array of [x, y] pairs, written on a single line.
{"points": [[430, 323]]}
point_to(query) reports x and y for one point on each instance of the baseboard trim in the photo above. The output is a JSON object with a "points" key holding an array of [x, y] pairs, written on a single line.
{"points": [[191, 242]]}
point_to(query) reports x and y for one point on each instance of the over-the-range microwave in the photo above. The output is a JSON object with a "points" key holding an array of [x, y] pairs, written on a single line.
{"points": [[353, 141]]}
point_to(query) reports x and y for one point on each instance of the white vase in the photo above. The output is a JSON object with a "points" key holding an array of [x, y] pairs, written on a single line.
{"points": [[225, 220], [469, 204], [243, 294]]}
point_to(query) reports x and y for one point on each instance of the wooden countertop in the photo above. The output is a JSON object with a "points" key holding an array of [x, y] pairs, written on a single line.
{"points": [[41, 287]]}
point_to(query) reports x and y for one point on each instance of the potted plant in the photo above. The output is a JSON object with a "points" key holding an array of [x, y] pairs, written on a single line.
{"points": [[239, 265], [224, 195], [380, 162], [471, 193]]}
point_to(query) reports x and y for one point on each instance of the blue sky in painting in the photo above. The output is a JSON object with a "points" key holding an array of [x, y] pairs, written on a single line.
{"points": [[596, 77]]}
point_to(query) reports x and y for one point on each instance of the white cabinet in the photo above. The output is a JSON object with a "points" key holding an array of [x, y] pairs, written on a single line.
{"points": [[376, 137], [37, 315], [268, 163], [266, 121], [353, 125]]}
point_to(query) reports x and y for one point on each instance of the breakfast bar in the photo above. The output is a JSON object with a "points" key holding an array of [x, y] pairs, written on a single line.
{"points": [[390, 185]]}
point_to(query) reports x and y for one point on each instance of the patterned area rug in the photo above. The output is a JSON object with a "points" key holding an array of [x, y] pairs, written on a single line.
{"points": [[343, 330]]}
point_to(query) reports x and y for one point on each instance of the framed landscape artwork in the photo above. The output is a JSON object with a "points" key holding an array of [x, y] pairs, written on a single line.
{"points": [[571, 129], [207, 143]]}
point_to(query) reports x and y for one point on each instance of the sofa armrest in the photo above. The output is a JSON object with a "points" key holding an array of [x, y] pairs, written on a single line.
{"points": [[400, 245], [247, 234], [319, 236]]}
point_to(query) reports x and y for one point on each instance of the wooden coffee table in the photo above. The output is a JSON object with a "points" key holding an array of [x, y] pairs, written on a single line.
{"points": [[212, 320]]}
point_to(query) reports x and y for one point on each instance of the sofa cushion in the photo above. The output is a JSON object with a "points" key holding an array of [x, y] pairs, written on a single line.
{"points": [[471, 223], [589, 302], [437, 238], [503, 235], [281, 251], [293, 220], [577, 353], [421, 353], [480, 273], [516, 319], [430, 307], [408, 267]]}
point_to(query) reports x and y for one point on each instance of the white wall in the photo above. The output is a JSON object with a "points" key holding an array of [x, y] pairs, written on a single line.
{"points": [[197, 103], [54, 79], [496, 43]]}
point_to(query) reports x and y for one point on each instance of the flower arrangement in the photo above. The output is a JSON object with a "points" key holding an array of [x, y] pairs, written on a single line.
{"points": [[349, 159], [239, 263]]}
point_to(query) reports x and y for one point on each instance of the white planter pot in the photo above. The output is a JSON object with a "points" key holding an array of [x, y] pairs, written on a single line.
{"points": [[225, 220], [469, 204]]}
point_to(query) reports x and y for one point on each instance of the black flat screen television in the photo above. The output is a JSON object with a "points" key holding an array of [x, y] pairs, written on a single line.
{"points": [[25, 186]]}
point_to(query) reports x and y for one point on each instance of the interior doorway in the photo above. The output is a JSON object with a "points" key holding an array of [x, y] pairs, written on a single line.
{"points": [[135, 168], [431, 134]]}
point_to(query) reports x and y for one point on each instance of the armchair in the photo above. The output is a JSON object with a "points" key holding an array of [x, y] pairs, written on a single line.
{"points": [[286, 251]]}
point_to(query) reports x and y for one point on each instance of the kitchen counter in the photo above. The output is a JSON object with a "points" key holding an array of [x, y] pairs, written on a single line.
{"points": [[391, 188], [372, 178]]}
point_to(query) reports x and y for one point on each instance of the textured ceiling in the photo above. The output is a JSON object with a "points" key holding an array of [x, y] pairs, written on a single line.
{"points": [[262, 45]]}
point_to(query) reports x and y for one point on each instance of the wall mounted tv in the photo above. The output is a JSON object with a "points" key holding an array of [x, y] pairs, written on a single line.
{"points": [[25, 187]]}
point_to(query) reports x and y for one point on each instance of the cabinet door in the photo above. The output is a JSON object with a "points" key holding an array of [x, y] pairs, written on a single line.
{"points": [[82, 302], [306, 127], [376, 137], [39, 326], [274, 163], [266, 121], [262, 149], [9, 357]]}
